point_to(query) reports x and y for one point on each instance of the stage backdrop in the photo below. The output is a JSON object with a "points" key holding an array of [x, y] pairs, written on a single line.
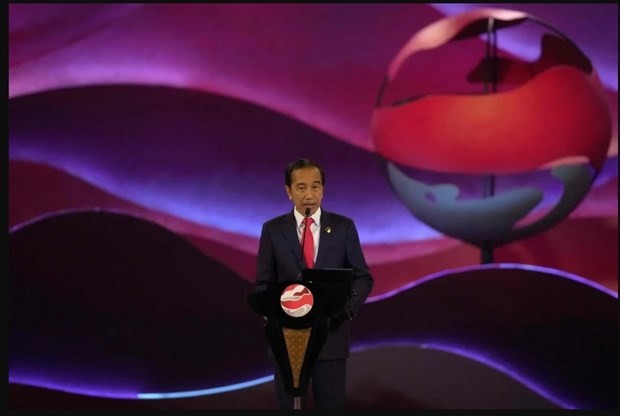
{"points": [[147, 144]]}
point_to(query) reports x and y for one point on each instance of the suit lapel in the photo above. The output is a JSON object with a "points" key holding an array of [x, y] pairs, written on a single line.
{"points": [[289, 231], [325, 239]]}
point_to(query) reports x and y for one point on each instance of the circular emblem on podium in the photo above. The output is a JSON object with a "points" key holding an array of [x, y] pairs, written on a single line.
{"points": [[296, 300]]}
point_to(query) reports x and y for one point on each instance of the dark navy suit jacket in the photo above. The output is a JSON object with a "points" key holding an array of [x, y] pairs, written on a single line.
{"points": [[279, 260]]}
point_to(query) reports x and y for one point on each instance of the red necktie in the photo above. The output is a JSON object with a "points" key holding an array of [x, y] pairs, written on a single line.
{"points": [[308, 242]]}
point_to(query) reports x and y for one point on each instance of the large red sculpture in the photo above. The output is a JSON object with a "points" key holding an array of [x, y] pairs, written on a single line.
{"points": [[452, 157]]}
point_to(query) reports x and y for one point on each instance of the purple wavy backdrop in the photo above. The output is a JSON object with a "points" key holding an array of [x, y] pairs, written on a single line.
{"points": [[146, 146]]}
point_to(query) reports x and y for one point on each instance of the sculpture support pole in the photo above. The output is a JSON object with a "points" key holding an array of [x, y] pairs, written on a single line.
{"points": [[486, 251]]}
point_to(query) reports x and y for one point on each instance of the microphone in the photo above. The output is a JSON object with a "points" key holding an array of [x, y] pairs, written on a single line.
{"points": [[303, 241]]}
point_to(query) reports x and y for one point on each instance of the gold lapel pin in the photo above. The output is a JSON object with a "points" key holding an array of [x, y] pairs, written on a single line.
{"points": [[328, 230]]}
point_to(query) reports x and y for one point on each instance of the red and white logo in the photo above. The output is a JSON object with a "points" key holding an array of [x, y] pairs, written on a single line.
{"points": [[296, 300]]}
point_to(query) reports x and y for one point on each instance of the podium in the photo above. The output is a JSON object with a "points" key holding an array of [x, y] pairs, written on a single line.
{"points": [[298, 320]]}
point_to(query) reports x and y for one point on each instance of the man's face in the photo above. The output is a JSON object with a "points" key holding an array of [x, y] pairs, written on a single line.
{"points": [[306, 190]]}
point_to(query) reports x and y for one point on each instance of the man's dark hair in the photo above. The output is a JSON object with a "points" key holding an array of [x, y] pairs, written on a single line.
{"points": [[300, 164]]}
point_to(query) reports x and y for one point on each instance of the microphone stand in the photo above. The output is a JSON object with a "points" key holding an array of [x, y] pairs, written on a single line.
{"points": [[297, 399], [303, 240]]}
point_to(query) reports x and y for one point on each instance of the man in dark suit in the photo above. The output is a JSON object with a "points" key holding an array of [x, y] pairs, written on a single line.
{"points": [[336, 245]]}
